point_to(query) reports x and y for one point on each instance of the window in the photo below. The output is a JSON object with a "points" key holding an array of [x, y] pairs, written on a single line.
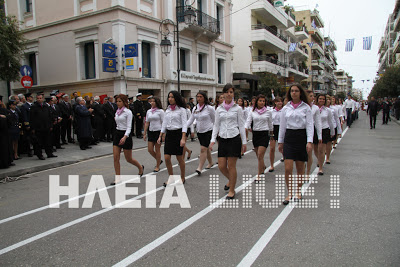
{"points": [[146, 60], [28, 5], [221, 71], [202, 63], [184, 59], [220, 16], [89, 55], [32, 63]]}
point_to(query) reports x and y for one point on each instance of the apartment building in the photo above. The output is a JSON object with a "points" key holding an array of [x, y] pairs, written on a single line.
{"points": [[67, 39], [262, 34], [344, 81], [331, 81]]}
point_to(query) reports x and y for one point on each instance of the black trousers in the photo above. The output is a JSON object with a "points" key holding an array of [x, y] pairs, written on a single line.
{"points": [[25, 142], [66, 130], [56, 133], [385, 117], [139, 126], [349, 117], [42, 139], [109, 127], [372, 118]]}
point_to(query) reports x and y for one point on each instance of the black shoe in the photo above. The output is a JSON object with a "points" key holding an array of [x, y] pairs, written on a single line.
{"points": [[30, 155], [285, 202], [161, 162], [60, 147], [232, 197], [71, 141], [165, 184], [271, 170], [64, 143], [51, 156], [141, 174], [320, 173], [226, 187], [88, 147], [41, 157], [198, 172], [282, 159], [83, 148]]}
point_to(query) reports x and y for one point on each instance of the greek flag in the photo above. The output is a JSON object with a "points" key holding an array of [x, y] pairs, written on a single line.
{"points": [[292, 47], [349, 45], [327, 43], [367, 42], [313, 24], [310, 44]]}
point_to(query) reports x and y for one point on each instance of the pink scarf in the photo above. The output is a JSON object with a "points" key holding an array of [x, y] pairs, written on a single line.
{"points": [[200, 107], [228, 106], [119, 111], [277, 109], [320, 109], [153, 110], [295, 105], [261, 111], [172, 107]]}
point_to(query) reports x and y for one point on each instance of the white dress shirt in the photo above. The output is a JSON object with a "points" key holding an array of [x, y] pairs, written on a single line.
{"points": [[204, 118], [188, 116], [296, 119], [174, 119], [155, 119], [350, 103], [229, 124], [327, 119], [317, 120], [124, 121], [276, 116], [335, 119], [261, 122]]}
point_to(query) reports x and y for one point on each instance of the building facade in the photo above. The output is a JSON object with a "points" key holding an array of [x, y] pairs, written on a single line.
{"points": [[65, 46], [344, 81]]}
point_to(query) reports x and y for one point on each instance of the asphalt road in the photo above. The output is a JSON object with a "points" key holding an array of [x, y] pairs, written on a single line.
{"points": [[362, 231]]}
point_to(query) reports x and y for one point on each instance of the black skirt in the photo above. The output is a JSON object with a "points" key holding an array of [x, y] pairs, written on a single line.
{"points": [[117, 137], [334, 137], [326, 135], [276, 132], [230, 147], [172, 144], [152, 136], [294, 146], [315, 139], [260, 138], [205, 138]]}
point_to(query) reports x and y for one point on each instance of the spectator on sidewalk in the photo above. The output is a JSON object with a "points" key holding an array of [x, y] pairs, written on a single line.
{"points": [[6, 155], [66, 115], [385, 111], [84, 127]]}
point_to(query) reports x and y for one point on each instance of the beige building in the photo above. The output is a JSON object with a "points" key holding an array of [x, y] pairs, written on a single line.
{"points": [[345, 82], [65, 40]]}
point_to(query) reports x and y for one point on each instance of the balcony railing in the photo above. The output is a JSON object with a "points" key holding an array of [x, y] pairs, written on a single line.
{"points": [[299, 28], [269, 59], [202, 19], [265, 27]]}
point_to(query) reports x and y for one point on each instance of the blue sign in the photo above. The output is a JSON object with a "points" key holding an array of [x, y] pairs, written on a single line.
{"points": [[109, 65], [131, 50], [25, 70], [109, 50]]}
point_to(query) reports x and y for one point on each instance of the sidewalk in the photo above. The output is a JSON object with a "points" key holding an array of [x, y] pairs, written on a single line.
{"points": [[71, 154]]}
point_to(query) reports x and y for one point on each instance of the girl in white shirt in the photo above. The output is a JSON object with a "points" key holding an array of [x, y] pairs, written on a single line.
{"points": [[317, 132], [246, 112], [276, 118], [296, 134], [262, 129], [337, 128], [328, 130], [204, 114], [152, 129], [339, 112], [173, 130], [190, 131], [229, 126], [123, 137]]}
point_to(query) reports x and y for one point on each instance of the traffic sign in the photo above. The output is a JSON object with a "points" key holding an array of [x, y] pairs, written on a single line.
{"points": [[26, 82], [25, 70]]}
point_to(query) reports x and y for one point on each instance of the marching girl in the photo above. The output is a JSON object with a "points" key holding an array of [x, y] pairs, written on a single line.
{"points": [[339, 111], [276, 118], [229, 126], [262, 130], [336, 125], [204, 114], [152, 128], [123, 137], [173, 131], [317, 132], [190, 130], [328, 130], [246, 112], [220, 99], [296, 134]]}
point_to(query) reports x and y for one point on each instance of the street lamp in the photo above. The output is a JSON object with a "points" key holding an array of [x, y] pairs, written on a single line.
{"points": [[189, 17]]}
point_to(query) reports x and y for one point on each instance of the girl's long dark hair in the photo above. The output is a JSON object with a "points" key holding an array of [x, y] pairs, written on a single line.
{"points": [[204, 94], [303, 96], [258, 97], [178, 99], [158, 102]]}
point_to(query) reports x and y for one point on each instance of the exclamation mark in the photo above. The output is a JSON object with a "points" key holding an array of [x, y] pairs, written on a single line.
{"points": [[335, 191]]}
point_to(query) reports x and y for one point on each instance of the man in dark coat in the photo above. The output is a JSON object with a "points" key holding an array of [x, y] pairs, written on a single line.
{"points": [[83, 124], [27, 135], [6, 152], [56, 114], [372, 110], [138, 109], [41, 124], [66, 115], [109, 122], [98, 120], [385, 111]]}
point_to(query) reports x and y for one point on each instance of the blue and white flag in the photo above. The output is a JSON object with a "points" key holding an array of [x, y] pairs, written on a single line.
{"points": [[292, 47], [310, 44], [313, 24], [327, 43], [349, 45], [367, 42]]}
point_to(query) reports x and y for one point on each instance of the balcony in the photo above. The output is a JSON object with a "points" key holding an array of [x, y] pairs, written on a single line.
{"points": [[301, 33], [317, 34], [291, 19], [266, 36], [266, 10], [317, 18], [318, 48], [396, 48], [267, 64], [317, 64], [298, 70], [301, 52], [204, 24], [396, 23]]}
